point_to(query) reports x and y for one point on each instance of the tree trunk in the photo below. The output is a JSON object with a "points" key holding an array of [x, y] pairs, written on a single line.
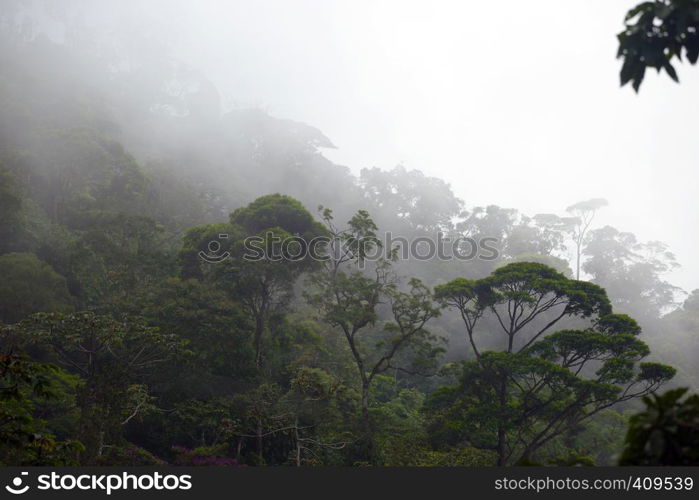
{"points": [[502, 397], [298, 442], [367, 432], [501, 446], [577, 274], [365, 405], [259, 438], [259, 330]]}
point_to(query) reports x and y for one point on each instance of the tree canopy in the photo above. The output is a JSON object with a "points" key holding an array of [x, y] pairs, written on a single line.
{"points": [[536, 386]]}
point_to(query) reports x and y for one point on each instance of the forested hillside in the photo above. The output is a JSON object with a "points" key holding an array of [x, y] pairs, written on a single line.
{"points": [[137, 330]]}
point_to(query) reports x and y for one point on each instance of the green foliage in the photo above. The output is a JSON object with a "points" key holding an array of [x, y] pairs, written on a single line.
{"points": [[656, 32], [202, 422], [127, 455], [259, 275], [213, 325], [557, 263], [10, 208], [420, 203], [108, 355], [348, 300], [203, 456], [196, 242], [195, 361], [409, 453], [596, 442], [29, 286], [515, 233], [26, 385], [676, 340], [665, 433], [540, 385], [573, 460], [277, 211]]}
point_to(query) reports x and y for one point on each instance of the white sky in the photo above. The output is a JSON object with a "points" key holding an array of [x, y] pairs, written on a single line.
{"points": [[514, 103]]}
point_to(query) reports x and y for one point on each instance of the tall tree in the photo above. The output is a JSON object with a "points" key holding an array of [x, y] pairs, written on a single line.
{"points": [[419, 202], [516, 233], [632, 272], [259, 256], [350, 300], [539, 384], [583, 213]]}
